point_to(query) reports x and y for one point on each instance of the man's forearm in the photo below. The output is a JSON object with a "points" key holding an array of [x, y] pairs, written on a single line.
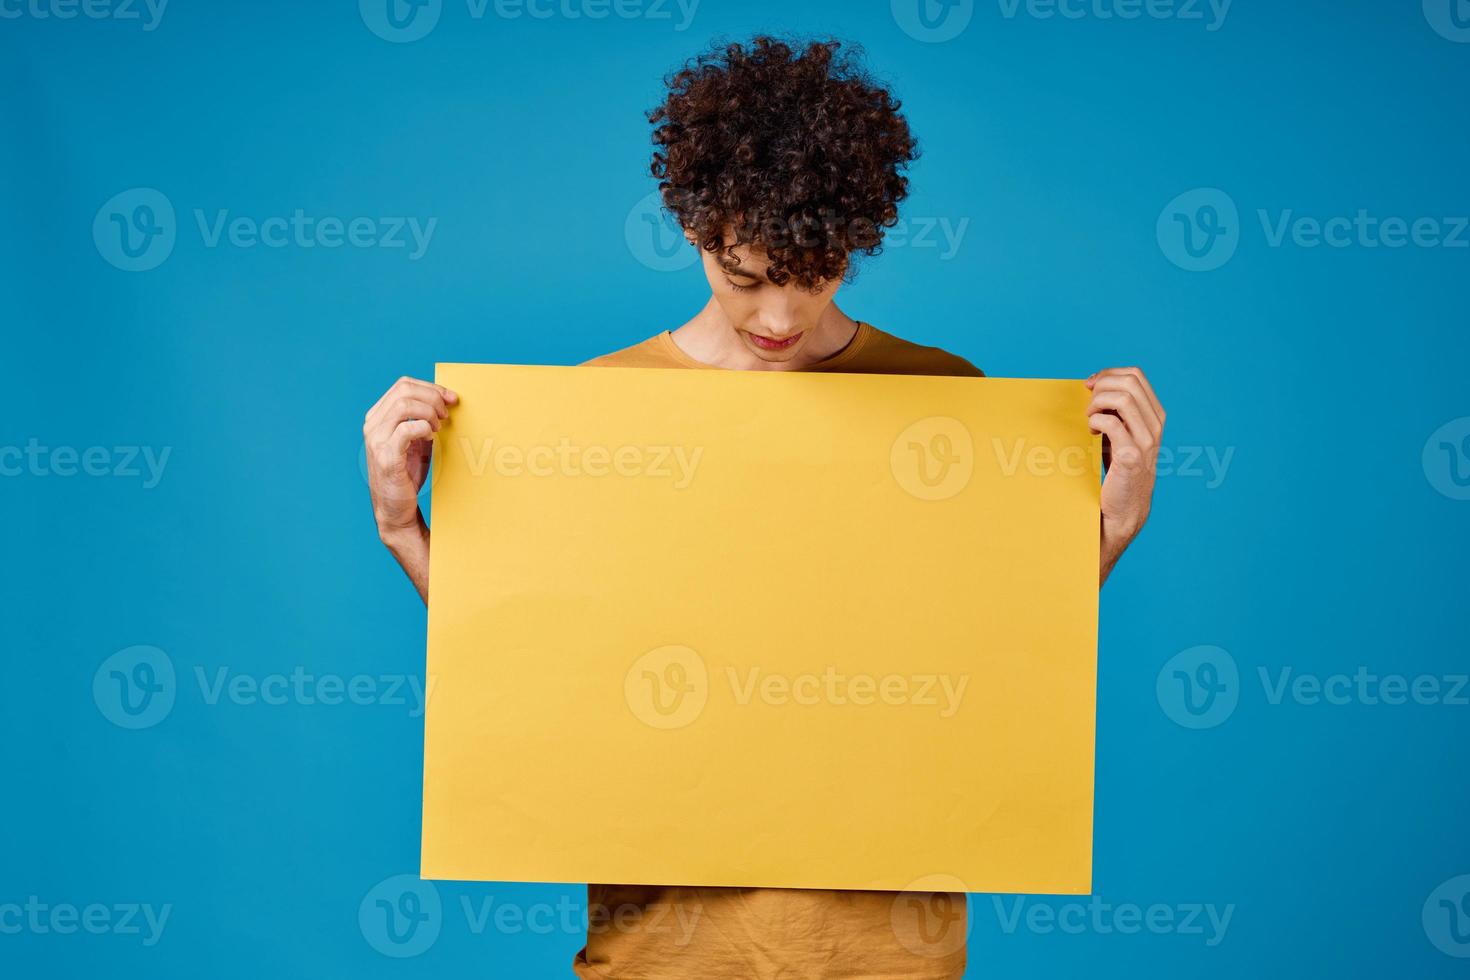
{"points": [[410, 546], [1109, 558], [1111, 549]]}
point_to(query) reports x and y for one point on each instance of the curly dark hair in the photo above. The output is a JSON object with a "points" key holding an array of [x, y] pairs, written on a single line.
{"points": [[793, 149]]}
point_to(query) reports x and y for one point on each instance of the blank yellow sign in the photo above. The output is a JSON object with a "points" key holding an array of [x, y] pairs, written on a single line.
{"points": [[762, 629]]}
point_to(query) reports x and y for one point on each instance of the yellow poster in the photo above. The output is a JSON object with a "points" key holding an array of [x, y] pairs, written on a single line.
{"points": [[762, 629]]}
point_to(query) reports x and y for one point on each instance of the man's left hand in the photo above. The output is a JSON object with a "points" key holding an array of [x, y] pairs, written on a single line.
{"points": [[1125, 410]]}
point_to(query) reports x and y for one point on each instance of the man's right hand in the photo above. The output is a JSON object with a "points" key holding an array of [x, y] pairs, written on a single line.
{"points": [[398, 432]]}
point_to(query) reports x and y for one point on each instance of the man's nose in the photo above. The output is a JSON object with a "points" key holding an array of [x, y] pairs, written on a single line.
{"points": [[780, 321]]}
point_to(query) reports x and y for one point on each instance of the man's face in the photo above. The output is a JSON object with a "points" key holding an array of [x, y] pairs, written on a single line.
{"points": [[773, 322]]}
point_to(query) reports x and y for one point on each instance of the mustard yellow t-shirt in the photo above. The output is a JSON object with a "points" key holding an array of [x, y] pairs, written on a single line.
{"points": [[643, 932]]}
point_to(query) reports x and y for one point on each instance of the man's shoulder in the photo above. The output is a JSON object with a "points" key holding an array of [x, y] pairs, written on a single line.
{"points": [[886, 353], [652, 352]]}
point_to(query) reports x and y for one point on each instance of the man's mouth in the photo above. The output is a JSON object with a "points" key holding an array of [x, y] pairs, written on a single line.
{"points": [[770, 343]]}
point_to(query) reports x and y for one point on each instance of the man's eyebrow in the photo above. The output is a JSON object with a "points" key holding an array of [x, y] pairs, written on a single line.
{"points": [[741, 272]]}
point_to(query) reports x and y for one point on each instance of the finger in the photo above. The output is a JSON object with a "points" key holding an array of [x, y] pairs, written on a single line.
{"points": [[1125, 406], [1121, 446], [448, 394], [412, 407], [1143, 382], [413, 388], [1139, 388], [394, 390], [1123, 392], [406, 386], [1148, 389], [405, 434], [380, 431]]}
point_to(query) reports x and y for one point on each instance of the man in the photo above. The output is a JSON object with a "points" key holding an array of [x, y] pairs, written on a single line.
{"points": [[781, 164]]}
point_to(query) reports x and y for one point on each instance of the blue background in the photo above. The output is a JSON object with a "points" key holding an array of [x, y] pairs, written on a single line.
{"points": [[1327, 545]]}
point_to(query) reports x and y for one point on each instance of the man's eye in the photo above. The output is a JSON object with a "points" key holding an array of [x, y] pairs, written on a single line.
{"points": [[738, 287]]}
